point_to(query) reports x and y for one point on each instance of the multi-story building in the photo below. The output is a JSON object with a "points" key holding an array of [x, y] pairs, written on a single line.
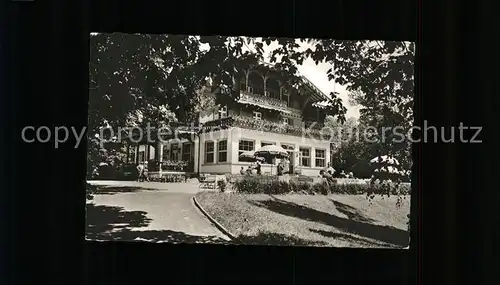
{"points": [[266, 112]]}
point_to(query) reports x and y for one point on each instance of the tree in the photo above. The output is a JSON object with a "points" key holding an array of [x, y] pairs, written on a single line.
{"points": [[136, 79], [342, 131], [379, 76], [351, 152]]}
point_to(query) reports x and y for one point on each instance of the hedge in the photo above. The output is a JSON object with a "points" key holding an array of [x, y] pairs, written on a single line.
{"points": [[254, 185]]}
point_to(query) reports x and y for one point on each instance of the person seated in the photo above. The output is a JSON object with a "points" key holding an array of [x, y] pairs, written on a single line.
{"points": [[342, 174], [242, 171], [327, 176], [249, 170]]}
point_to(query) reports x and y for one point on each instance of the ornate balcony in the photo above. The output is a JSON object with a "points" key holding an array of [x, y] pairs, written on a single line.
{"points": [[309, 129], [269, 102], [248, 97]]}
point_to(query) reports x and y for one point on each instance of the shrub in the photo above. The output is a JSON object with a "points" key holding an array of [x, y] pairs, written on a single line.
{"points": [[248, 185], [260, 185]]}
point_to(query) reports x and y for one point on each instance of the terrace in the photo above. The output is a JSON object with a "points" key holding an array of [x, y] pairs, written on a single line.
{"points": [[308, 129]]}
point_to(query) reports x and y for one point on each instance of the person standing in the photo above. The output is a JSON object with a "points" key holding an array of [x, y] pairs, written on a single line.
{"points": [[258, 166], [329, 169], [280, 169], [286, 166], [140, 171], [145, 173]]}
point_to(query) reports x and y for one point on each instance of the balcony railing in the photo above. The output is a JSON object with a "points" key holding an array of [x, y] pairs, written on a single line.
{"points": [[259, 99], [248, 97], [309, 128]]}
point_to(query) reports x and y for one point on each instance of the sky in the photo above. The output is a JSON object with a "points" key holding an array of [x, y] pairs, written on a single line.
{"points": [[317, 75]]}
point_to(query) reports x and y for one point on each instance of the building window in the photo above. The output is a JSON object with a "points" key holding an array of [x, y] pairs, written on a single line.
{"points": [[270, 94], [305, 157], [222, 151], [320, 157], [285, 97], [165, 153], [332, 151], [257, 115], [245, 145], [262, 144], [223, 112], [186, 152], [174, 152], [285, 121], [209, 152], [141, 156]]}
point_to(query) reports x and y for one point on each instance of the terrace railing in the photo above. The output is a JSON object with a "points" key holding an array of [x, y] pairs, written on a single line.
{"points": [[309, 129], [247, 97], [259, 99]]}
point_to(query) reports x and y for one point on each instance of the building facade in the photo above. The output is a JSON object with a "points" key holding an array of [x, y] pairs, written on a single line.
{"points": [[266, 111]]}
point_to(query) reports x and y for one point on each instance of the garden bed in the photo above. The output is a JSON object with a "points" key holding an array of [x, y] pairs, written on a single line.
{"points": [[333, 220], [281, 185]]}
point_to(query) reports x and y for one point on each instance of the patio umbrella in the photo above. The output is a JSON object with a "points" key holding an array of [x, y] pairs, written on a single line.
{"points": [[272, 151], [385, 159], [249, 156], [388, 169]]}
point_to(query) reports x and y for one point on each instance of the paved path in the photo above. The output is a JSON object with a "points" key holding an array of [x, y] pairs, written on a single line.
{"points": [[134, 211]]}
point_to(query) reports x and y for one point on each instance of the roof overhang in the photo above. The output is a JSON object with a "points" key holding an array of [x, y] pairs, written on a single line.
{"points": [[315, 93], [321, 104]]}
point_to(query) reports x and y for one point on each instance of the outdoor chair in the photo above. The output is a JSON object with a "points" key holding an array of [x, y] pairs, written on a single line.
{"points": [[208, 181], [202, 177]]}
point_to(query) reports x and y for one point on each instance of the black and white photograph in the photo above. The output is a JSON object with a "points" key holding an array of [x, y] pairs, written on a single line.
{"points": [[242, 140]]}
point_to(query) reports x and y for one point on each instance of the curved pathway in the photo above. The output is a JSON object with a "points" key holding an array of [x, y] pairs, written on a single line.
{"points": [[160, 212]]}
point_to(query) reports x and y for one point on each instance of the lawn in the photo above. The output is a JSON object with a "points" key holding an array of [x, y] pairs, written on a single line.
{"points": [[310, 220]]}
